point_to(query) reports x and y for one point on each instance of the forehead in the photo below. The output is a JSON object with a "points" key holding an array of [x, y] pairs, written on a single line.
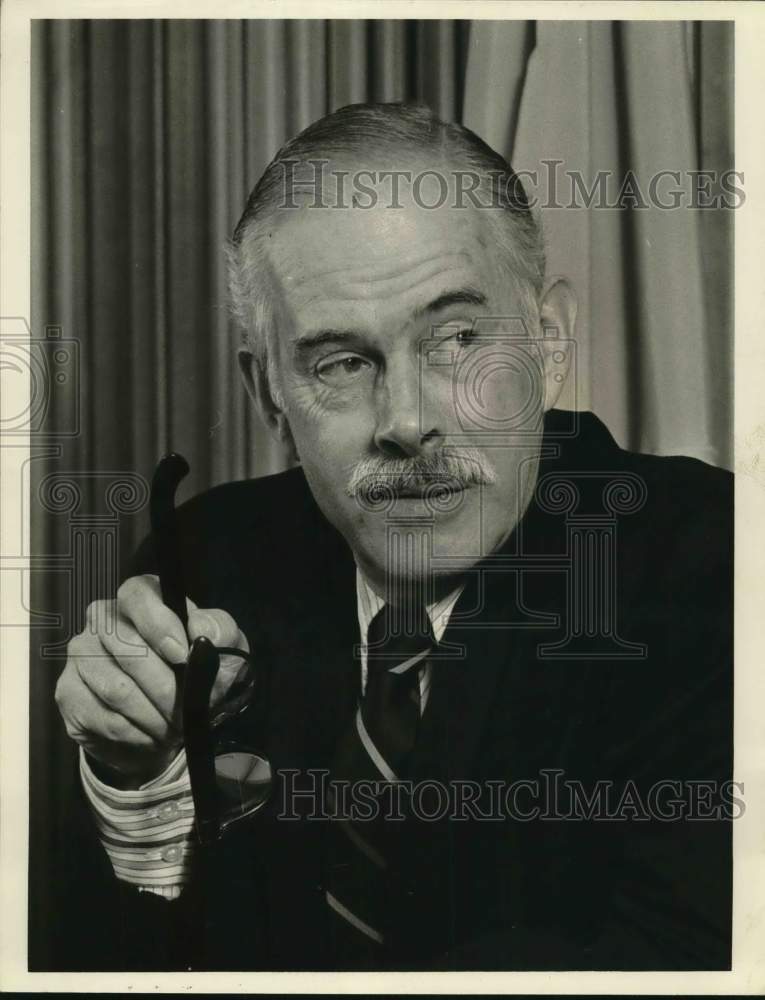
{"points": [[385, 257]]}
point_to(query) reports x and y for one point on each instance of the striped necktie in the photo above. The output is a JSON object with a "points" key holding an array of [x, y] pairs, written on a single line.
{"points": [[361, 882]]}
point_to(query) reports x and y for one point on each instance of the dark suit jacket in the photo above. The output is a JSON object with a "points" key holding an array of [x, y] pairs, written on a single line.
{"points": [[635, 892]]}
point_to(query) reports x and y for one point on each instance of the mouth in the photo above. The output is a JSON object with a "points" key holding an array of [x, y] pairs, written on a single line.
{"points": [[428, 492], [438, 495], [416, 498]]}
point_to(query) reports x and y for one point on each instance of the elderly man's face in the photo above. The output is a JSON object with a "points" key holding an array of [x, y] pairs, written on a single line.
{"points": [[381, 373]]}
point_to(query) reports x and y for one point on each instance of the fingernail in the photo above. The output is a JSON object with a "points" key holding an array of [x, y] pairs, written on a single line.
{"points": [[172, 651]]}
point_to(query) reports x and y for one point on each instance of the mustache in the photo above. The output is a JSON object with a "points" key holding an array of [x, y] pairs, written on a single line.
{"points": [[453, 470]]}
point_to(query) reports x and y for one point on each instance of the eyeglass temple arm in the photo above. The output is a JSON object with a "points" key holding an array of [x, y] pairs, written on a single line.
{"points": [[167, 476], [201, 671]]}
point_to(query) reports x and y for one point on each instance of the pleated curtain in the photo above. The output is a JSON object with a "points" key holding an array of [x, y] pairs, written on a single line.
{"points": [[146, 139], [654, 341]]}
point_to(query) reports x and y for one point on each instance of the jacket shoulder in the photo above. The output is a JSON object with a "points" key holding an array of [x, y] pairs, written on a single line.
{"points": [[688, 509], [672, 517], [682, 491]]}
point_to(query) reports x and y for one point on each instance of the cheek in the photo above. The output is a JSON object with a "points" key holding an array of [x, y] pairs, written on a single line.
{"points": [[498, 389], [330, 444], [326, 446], [326, 420]]}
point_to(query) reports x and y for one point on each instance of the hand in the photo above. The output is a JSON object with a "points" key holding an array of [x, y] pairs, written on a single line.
{"points": [[118, 695]]}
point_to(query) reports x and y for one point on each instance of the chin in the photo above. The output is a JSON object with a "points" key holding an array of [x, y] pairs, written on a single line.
{"points": [[412, 558]]}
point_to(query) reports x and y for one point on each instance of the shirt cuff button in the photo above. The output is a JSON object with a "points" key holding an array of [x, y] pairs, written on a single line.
{"points": [[171, 853], [168, 810]]}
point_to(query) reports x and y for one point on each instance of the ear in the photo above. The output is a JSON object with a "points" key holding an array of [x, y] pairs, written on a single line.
{"points": [[255, 378], [557, 319]]}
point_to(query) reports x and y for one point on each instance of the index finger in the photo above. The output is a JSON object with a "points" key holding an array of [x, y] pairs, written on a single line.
{"points": [[139, 600]]}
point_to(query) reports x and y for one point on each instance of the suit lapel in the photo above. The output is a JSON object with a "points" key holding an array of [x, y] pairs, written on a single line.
{"points": [[463, 685], [491, 643]]}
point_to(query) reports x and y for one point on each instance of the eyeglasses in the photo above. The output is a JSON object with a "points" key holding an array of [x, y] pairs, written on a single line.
{"points": [[229, 781]]}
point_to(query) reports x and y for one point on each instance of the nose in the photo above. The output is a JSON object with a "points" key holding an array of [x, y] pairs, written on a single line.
{"points": [[406, 426]]}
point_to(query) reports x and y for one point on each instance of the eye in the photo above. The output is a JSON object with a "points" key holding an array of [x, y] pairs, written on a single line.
{"points": [[465, 336], [342, 369]]}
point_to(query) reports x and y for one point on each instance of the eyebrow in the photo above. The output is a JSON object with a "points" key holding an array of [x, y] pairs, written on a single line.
{"points": [[461, 296], [309, 341]]}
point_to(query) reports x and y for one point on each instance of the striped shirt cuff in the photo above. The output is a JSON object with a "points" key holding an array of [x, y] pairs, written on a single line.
{"points": [[146, 832]]}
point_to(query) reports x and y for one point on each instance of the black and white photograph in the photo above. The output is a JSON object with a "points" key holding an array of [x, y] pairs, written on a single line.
{"points": [[369, 518]]}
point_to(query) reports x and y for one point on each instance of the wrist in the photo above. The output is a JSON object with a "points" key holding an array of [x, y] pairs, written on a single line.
{"points": [[124, 782]]}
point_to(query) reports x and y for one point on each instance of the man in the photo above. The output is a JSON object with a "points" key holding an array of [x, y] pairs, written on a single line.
{"points": [[508, 640]]}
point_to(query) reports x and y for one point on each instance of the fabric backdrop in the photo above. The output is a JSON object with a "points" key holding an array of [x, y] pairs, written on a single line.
{"points": [[147, 137]]}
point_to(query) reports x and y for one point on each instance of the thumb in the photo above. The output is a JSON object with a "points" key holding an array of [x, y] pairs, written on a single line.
{"points": [[216, 625], [235, 679]]}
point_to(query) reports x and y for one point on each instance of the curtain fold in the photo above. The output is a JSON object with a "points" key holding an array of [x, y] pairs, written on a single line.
{"points": [[654, 332], [147, 137]]}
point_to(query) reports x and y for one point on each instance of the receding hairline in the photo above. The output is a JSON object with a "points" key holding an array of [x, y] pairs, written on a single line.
{"points": [[415, 171], [384, 131]]}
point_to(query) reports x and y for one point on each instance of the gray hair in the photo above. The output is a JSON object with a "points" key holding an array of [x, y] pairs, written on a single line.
{"points": [[358, 130]]}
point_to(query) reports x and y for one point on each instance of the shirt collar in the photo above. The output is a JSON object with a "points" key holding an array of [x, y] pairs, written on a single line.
{"points": [[369, 603]]}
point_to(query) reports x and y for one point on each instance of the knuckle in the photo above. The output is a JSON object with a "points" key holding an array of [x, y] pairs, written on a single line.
{"points": [[136, 589], [148, 583], [129, 590], [98, 610]]}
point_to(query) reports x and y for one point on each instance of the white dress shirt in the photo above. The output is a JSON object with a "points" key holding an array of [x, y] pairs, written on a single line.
{"points": [[148, 832]]}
